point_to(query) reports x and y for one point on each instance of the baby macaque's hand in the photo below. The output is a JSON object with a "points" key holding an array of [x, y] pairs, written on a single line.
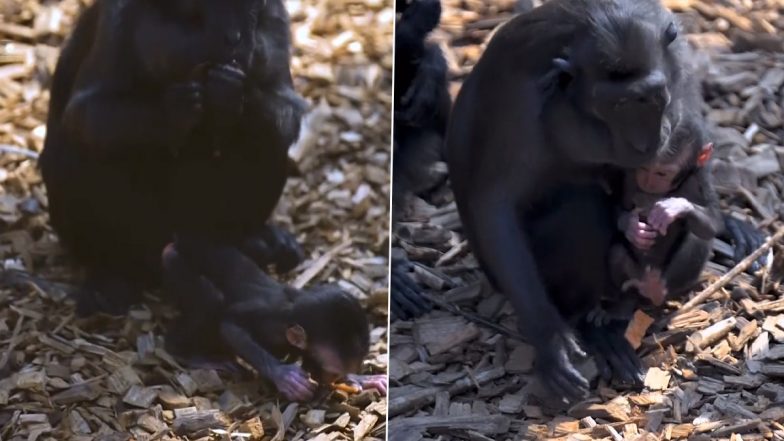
{"points": [[294, 383], [652, 286], [640, 234], [666, 211], [378, 382]]}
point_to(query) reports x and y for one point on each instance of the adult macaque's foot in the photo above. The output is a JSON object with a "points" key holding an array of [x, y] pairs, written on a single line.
{"points": [[613, 354], [745, 238], [556, 370]]}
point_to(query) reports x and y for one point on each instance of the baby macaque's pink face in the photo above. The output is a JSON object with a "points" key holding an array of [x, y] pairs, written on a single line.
{"points": [[656, 178]]}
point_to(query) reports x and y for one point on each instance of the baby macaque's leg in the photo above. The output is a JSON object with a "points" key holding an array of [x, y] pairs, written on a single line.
{"points": [[623, 271], [683, 270], [652, 285], [623, 267]]}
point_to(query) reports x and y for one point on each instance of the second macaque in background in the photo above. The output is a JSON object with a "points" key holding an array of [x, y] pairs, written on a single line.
{"points": [[422, 106]]}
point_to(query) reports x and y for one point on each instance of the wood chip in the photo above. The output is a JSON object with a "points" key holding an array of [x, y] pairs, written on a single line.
{"points": [[78, 393], [122, 379], [710, 335], [512, 403], [637, 328], [609, 411], [657, 379], [484, 424], [207, 380], [442, 334], [521, 359], [197, 424], [365, 425], [140, 396]]}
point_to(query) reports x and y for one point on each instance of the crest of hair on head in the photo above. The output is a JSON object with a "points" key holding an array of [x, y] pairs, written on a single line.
{"points": [[621, 30]]}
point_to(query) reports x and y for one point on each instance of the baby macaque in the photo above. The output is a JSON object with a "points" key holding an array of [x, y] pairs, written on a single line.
{"points": [[669, 217], [231, 308]]}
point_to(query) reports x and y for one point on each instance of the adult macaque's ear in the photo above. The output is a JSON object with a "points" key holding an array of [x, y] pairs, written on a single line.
{"points": [[705, 154], [297, 337], [560, 75], [292, 168], [564, 66]]}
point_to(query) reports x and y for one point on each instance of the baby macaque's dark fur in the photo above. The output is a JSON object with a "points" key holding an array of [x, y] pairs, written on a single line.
{"points": [[230, 307], [683, 251], [422, 105], [680, 254]]}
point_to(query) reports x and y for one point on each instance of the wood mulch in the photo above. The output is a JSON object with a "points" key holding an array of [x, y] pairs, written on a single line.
{"points": [[109, 378], [714, 372]]}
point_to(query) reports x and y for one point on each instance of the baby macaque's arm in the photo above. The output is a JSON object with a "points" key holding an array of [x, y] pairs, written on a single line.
{"points": [[290, 380], [702, 221]]}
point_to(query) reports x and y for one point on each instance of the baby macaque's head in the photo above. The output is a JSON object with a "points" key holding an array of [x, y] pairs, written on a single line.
{"points": [[686, 152], [331, 330], [657, 178]]}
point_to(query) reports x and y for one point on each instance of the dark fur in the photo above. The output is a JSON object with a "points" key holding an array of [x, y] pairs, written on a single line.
{"points": [[683, 252], [527, 143], [230, 307], [162, 119], [422, 105]]}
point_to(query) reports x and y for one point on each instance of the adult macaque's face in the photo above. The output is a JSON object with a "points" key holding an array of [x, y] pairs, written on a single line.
{"points": [[656, 178]]}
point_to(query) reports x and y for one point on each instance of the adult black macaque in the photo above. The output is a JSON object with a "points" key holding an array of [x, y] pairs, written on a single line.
{"points": [[561, 95], [169, 116], [230, 307], [422, 105]]}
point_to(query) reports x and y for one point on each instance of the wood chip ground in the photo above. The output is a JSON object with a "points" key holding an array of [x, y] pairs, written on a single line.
{"points": [[110, 379], [715, 372]]}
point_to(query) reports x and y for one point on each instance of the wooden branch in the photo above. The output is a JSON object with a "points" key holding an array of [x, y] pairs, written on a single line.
{"points": [[481, 321], [704, 337], [727, 278], [12, 343], [424, 397], [14, 150]]}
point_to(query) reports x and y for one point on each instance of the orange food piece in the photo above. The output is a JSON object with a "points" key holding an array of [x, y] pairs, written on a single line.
{"points": [[347, 388]]}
